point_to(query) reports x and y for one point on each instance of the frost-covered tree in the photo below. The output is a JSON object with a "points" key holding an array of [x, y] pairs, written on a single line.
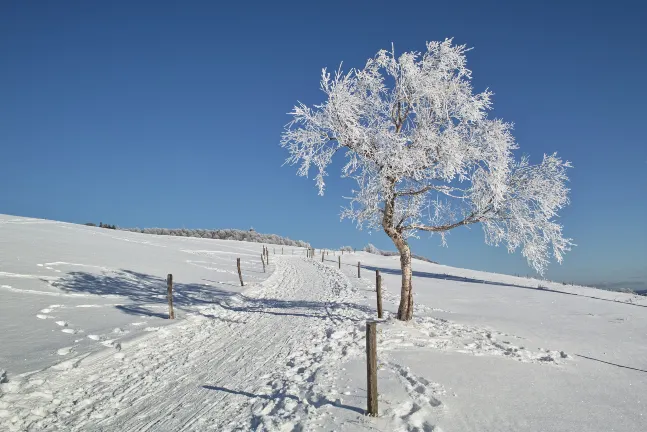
{"points": [[426, 157]]}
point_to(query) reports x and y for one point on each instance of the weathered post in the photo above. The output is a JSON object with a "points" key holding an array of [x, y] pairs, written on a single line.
{"points": [[358, 273], [322, 256], [240, 275], [263, 261], [371, 368], [379, 294], [169, 295], [339, 261], [281, 251], [377, 277]]}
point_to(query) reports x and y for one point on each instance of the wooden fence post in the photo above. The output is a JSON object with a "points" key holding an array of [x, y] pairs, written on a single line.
{"points": [[263, 261], [379, 294], [377, 277], [169, 295], [322, 257], [371, 368], [339, 260], [281, 251], [358, 273], [240, 275]]}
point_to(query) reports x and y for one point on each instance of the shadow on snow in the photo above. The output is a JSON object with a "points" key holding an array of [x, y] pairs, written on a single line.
{"points": [[279, 396], [149, 292]]}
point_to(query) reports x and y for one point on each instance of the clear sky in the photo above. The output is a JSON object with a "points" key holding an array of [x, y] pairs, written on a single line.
{"points": [[169, 114]]}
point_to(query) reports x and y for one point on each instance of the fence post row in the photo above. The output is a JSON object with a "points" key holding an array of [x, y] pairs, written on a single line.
{"points": [[371, 368], [240, 275], [169, 295]]}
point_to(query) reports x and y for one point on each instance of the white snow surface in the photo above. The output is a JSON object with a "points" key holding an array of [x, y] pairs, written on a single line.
{"points": [[86, 343]]}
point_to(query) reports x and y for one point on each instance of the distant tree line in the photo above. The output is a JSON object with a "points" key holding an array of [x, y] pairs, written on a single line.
{"points": [[101, 225], [222, 234], [372, 249]]}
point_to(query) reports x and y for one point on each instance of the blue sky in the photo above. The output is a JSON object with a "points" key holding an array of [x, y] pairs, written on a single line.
{"points": [[170, 114]]}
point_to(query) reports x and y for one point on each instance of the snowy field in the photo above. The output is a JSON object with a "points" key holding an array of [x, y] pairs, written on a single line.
{"points": [[85, 343]]}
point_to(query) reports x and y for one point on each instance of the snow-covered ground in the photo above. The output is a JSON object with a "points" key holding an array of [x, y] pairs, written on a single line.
{"points": [[86, 345]]}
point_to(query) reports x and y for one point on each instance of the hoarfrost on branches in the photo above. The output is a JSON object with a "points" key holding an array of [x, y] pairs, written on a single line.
{"points": [[425, 155]]}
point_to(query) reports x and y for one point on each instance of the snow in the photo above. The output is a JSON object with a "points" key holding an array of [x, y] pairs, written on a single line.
{"points": [[286, 352]]}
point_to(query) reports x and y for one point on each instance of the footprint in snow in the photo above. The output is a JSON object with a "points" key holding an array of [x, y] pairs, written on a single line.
{"points": [[65, 351]]}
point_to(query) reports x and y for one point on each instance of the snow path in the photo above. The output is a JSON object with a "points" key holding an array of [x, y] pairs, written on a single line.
{"points": [[248, 362]]}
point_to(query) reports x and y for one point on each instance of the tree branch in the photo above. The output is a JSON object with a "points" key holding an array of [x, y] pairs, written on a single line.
{"points": [[418, 192], [471, 219]]}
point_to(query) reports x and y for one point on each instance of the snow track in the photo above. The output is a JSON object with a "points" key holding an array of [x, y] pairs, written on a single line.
{"points": [[251, 361]]}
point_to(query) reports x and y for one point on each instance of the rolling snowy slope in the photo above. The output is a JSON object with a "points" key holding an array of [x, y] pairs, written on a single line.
{"points": [[70, 289], [484, 351]]}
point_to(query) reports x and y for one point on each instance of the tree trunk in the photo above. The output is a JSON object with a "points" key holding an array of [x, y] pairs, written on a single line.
{"points": [[405, 310]]}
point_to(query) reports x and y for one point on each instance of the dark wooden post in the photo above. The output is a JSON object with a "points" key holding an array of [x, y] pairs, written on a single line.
{"points": [[322, 257], [240, 275], [263, 261], [358, 273], [379, 294], [169, 295], [377, 277], [339, 260], [371, 368]]}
